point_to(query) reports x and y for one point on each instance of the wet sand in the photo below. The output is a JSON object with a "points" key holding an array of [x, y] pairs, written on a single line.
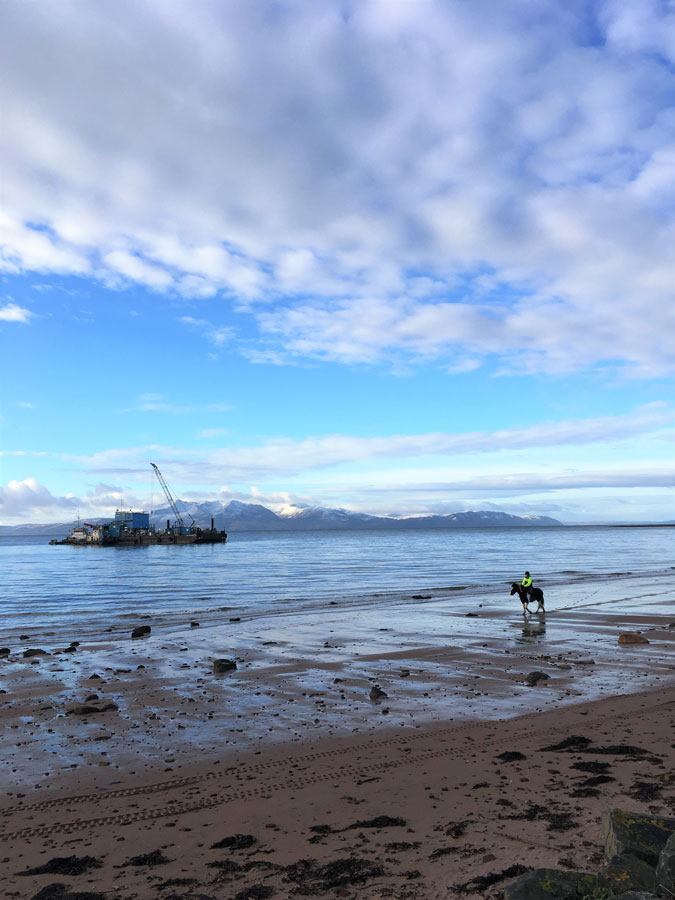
{"points": [[291, 740]]}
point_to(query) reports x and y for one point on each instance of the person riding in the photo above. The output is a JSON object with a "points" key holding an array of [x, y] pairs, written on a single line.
{"points": [[527, 583]]}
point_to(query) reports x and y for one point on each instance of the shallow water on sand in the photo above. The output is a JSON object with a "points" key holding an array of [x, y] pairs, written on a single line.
{"points": [[266, 573]]}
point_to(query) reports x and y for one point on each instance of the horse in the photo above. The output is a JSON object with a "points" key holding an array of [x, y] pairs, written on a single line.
{"points": [[526, 595]]}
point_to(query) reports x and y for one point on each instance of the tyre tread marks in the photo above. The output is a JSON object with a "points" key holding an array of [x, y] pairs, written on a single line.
{"points": [[269, 769]]}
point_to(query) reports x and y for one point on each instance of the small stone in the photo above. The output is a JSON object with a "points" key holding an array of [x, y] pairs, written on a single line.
{"points": [[88, 709], [194, 624], [34, 652], [535, 677], [630, 637], [4, 651], [376, 693], [223, 665], [141, 631]]}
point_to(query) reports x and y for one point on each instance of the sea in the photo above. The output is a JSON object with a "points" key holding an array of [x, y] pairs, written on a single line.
{"points": [[268, 573]]}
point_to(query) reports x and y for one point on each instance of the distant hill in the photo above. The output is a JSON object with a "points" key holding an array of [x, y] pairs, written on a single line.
{"points": [[237, 516]]}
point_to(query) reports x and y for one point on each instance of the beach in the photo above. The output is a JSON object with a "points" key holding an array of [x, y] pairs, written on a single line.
{"points": [[118, 748]]}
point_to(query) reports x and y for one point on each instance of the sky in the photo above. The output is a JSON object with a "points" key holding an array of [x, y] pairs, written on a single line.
{"points": [[394, 256]]}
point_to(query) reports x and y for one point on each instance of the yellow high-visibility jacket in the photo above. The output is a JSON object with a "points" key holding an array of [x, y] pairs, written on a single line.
{"points": [[527, 582]]}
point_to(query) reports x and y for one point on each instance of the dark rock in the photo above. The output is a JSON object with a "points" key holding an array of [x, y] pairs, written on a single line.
{"points": [[89, 709], [535, 677], [376, 693], [65, 865], [471, 616], [141, 631], [550, 884], [223, 665], [235, 619], [421, 597], [74, 643], [665, 870], [642, 836], [155, 858], [70, 649], [511, 756], [235, 842], [4, 651], [628, 871], [34, 652], [194, 624], [630, 637]]}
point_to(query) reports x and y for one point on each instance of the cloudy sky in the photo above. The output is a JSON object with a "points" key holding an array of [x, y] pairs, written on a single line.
{"points": [[390, 255]]}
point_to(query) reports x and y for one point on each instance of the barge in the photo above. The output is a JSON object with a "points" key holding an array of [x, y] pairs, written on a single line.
{"points": [[133, 529], [130, 528]]}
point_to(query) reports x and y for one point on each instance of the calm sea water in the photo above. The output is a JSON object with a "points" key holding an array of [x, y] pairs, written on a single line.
{"points": [[45, 585]]}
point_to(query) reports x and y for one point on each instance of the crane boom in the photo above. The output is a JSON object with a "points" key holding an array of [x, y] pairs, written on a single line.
{"points": [[169, 497]]}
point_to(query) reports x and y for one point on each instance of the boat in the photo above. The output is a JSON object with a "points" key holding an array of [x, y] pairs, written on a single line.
{"points": [[132, 528]]}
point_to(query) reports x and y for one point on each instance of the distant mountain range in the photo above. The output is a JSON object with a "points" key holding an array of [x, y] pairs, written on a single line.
{"points": [[236, 516]]}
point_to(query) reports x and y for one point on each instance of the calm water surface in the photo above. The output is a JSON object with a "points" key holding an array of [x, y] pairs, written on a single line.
{"points": [[263, 572]]}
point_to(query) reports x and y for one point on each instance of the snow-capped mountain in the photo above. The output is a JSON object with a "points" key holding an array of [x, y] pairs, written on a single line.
{"points": [[237, 516]]}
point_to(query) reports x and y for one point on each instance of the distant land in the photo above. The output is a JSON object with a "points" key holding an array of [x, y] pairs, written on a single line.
{"points": [[236, 516]]}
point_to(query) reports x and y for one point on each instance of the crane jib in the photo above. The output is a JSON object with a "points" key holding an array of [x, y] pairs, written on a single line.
{"points": [[169, 497]]}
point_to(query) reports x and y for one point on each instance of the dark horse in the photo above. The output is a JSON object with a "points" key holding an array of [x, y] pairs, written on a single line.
{"points": [[526, 595]]}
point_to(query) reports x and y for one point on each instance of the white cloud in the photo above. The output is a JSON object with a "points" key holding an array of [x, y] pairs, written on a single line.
{"points": [[430, 180], [12, 312], [28, 500], [216, 335], [287, 458], [157, 403], [207, 433]]}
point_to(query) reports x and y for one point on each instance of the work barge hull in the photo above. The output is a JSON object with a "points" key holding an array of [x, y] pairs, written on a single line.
{"points": [[133, 529], [147, 539]]}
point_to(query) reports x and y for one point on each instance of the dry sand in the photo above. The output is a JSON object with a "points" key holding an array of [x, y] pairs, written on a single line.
{"points": [[335, 795]]}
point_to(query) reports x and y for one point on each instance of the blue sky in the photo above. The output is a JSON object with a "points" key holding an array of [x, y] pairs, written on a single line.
{"points": [[398, 257]]}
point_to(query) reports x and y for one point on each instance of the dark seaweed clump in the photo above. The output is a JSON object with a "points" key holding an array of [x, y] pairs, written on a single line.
{"points": [[65, 865]]}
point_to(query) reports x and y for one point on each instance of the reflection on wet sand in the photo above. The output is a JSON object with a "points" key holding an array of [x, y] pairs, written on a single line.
{"points": [[535, 625]]}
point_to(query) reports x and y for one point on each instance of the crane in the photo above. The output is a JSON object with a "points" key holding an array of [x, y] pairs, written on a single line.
{"points": [[169, 497]]}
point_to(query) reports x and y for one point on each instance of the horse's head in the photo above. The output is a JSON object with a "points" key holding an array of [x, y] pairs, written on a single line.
{"points": [[514, 589]]}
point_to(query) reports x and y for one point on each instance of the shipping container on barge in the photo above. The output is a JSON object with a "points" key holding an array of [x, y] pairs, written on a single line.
{"points": [[130, 528]]}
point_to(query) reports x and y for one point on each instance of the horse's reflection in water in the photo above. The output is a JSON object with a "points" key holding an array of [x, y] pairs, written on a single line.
{"points": [[534, 626]]}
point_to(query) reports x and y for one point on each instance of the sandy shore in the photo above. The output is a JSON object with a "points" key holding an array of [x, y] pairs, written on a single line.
{"points": [[407, 796], [402, 816]]}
